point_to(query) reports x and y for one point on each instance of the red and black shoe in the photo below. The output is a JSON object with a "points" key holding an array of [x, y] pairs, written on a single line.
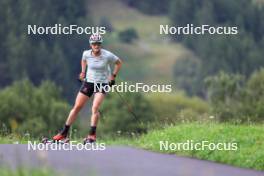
{"points": [[59, 137], [89, 139]]}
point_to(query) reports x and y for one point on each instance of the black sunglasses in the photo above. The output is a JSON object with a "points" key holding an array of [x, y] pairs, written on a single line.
{"points": [[97, 43]]}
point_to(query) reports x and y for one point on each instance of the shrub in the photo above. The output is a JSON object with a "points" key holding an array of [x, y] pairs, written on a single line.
{"points": [[176, 107], [254, 102], [117, 118], [128, 35], [233, 98], [36, 110]]}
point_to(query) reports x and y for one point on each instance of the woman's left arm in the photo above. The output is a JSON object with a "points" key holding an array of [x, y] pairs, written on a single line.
{"points": [[118, 65]]}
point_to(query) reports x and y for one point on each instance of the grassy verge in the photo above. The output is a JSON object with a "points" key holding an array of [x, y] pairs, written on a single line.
{"points": [[249, 139], [26, 172], [13, 139]]}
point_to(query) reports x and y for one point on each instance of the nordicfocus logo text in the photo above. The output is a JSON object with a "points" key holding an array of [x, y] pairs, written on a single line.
{"points": [[203, 145], [58, 29], [190, 29], [137, 87], [72, 145]]}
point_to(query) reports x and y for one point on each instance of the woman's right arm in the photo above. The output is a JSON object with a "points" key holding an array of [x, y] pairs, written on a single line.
{"points": [[83, 66]]}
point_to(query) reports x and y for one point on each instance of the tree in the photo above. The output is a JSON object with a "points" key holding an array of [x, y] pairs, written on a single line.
{"points": [[187, 72], [241, 53], [40, 57], [107, 24], [150, 6]]}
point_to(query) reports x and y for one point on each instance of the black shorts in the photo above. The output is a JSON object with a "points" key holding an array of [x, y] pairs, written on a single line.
{"points": [[89, 88]]}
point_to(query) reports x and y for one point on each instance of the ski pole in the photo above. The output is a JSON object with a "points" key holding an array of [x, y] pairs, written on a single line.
{"points": [[129, 108]]}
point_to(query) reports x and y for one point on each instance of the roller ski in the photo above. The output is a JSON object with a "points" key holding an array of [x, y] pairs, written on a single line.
{"points": [[56, 139], [90, 139]]}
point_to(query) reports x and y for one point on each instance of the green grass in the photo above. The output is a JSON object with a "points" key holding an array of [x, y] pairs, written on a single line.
{"points": [[250, 140], [27, 172], [14, 139]]}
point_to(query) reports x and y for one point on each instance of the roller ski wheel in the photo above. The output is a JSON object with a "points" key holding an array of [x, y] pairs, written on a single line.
{"points": [[44, 140], [89, 139]]}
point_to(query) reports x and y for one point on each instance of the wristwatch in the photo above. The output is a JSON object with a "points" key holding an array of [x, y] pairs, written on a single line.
{"points": [[114, 75]]}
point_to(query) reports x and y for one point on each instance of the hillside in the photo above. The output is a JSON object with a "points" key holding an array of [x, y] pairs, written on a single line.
{"points": [[152, 52]]}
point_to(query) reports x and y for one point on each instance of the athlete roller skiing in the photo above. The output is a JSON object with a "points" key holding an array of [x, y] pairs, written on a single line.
{"points": [[97, 61]]}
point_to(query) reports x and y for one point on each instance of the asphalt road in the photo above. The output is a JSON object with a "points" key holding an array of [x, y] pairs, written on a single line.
{"points": [[116, 161]]}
